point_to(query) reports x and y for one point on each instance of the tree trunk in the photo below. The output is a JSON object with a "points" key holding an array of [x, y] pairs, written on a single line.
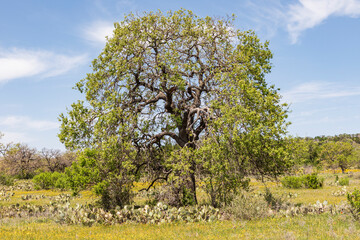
{"points": [[193, 182]]}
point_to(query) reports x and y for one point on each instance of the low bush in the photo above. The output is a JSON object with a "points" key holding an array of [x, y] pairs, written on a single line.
{"points": [[47, 180], [354, 200], [6, 180], [292, 182], [344, 181], [274, 202], [312, 181], [247, 206]]}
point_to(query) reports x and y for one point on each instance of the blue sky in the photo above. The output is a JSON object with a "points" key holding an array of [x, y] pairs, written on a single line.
{"points": [[47, 46]]}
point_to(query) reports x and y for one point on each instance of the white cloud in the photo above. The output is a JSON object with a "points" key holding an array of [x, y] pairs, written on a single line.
{"points": [[318, 90], [15, 137], [307, 14], [20, 63], [97, 32], [265, 16], [26, 123]]}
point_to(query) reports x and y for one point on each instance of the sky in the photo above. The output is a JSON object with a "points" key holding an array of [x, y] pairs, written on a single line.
{"points": [[47, 46]]}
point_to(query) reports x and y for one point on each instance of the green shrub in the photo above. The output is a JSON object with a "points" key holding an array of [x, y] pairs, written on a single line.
{"points": [[47, 180], [275, 202], [344, 181], [354, 200], [292, 182], [42, 180], [6, 180], [312, 181]]}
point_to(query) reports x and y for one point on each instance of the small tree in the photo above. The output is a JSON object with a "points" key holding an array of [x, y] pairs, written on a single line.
{"points": [[21, 161], [337, 154], [55, 160], [175, 98]]}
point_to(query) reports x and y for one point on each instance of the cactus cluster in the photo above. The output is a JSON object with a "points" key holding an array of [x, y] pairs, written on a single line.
{"points": [[32, 197], [19, 185], [62, 211], [161, 213], [312, 209], [5, 195]]}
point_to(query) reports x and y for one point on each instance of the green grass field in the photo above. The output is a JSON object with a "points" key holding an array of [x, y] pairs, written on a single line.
{"points": [[323, 226], [307, 227]]}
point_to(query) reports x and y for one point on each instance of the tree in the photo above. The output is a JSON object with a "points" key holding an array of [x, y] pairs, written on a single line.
{"points": [[179, 97], [55, 160], [21, 161], [337, 154]]}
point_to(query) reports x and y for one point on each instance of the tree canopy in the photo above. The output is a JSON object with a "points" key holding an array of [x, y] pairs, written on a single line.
{"points": [[175, 97], [337, 154]]}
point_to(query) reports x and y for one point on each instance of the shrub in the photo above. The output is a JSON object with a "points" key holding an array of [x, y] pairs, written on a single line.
{"points": [[354, 200], [344, 181], [292, 182], [275, 202], [48, 180], [312, 181], [248, 206], [6, 180]]}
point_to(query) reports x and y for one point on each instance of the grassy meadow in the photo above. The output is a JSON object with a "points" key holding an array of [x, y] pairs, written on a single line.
{"points": [[317, 226]]}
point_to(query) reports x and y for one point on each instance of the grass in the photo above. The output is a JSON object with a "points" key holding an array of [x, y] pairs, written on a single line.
{"points": [[310, 196], [322, 226], [307, 227], [85, 197]]}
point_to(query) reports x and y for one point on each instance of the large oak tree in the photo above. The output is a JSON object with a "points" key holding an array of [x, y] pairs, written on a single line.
{"points": [[178, 97]]}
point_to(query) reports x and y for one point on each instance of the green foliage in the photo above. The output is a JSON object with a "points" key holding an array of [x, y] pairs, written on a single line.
{"points": [[294, 182], [100, 169], [312, 181], [337, 154], [273, 201], [47, 180], [6, 180], [188, 198], [83, 171], [344, 181], [177, 98], [354, 200]]}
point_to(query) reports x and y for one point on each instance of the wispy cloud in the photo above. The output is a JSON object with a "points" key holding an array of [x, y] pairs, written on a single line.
{"points": [[265, 16], [21, 63], [97, 32], [307, 14], [26, 123], [318, 90], [268, 16]]}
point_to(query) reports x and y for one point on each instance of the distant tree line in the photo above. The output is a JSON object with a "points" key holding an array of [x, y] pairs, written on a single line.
{"points": [[23, 162], [324, 152]]}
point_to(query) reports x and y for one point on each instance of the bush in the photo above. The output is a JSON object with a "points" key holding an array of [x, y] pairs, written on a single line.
{"points": [[6, 180], [354, 200], [47, 180], [247, 206], [344, 181], [306, 181], [313, 181], [275, 202], [292, 182]]}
